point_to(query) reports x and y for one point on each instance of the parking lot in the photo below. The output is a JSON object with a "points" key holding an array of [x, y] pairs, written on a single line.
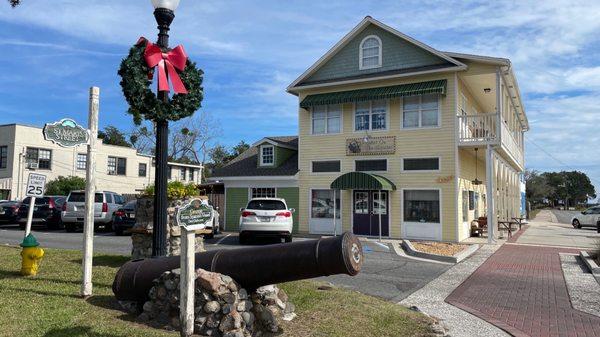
{"points": [[384, 273]]}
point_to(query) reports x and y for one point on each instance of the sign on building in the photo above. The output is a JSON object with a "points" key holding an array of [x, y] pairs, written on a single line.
{"points": [[66, 133], [194, 215], [36, 185], [371, 146]]}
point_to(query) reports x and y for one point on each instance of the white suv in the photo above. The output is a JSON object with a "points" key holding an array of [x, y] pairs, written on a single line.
{"points": [[105, 205], [266, 217]]}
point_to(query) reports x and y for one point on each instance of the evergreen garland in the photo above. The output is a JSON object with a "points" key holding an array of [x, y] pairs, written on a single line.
{"points": [[136, 78]]}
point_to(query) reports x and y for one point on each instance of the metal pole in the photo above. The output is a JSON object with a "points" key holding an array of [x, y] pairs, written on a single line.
{"points": [[29, 216], [163, 17], [90, 193], [188, 276], [334, 214], [379, 210]]}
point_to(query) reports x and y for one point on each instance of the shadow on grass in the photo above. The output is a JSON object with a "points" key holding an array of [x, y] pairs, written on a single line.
{"points": [[40, 292], [111, 303], [9, 274], [113, 261], [77, 331]]}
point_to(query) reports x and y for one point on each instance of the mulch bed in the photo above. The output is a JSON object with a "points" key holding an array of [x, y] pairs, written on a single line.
{"points": [[439, 248]]}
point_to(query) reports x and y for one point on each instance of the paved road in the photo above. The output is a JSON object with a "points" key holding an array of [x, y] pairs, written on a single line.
{"points": [[564, 216], [546, 229], [384, 274]]}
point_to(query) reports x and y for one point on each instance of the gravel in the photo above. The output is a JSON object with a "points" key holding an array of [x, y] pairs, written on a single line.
{"points": [[430, 299], [584, 290]]}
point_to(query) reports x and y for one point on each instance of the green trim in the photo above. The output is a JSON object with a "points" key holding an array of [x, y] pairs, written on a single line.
{"points": [[359, 95], [362, 181]]}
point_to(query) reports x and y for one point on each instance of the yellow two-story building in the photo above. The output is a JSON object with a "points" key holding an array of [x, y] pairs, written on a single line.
{"points": [[399, 139]]}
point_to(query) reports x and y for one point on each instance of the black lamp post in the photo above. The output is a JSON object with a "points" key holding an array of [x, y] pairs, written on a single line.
{"points": [[164, 12]]}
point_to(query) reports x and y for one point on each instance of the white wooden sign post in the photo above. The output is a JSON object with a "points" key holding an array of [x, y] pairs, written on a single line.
{"points": [[36, 184], [90, 193], [190, 217]]}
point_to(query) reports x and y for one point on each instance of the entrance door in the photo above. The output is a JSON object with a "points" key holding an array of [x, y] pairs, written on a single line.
{"points": [[367, 207]]}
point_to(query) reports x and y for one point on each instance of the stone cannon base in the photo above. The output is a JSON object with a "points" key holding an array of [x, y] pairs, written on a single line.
{"points": [[222, 307]]}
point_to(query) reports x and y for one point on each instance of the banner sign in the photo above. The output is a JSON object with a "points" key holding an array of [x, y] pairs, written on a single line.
{"points": [[66, 133], [194, 215], [371, 146]]}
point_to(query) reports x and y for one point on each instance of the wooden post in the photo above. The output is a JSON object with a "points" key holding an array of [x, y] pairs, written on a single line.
{"points": [[379, 211], [334, 214], [491, 193], [187, 281], [90, 193]]}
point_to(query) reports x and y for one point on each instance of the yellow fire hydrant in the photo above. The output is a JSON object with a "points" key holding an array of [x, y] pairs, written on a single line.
{"points": [[31, 256]]}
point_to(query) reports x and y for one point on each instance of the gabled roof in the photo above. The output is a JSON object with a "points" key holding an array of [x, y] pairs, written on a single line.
{"points": [[246, 164], [457, 65]]}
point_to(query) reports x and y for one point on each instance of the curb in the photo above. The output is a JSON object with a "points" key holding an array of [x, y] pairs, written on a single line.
{"points": [[410, 250], [590, 263]]}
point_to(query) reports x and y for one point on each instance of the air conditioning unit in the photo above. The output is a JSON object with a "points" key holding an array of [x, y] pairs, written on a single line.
{"points": [[32, 166]]}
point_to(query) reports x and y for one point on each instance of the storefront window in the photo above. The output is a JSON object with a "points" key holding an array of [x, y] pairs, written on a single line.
{"points": [[422, 206], [322, 204]]}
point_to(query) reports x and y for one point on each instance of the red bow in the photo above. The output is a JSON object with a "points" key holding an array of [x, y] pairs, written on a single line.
{"points": [[175, 58]]}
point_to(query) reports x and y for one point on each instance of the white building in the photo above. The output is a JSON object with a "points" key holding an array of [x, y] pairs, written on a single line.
{"points": [[23, 149]]}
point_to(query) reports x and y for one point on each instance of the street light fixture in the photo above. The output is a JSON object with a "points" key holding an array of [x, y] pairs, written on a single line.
{"points": [[164, 13]]}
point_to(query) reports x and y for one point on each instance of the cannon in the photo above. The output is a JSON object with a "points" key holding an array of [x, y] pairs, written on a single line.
{"points": [[252, 267]]}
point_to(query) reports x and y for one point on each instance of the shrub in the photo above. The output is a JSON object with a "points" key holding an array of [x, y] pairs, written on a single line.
{"points": [[64, 185], [175, 190]]}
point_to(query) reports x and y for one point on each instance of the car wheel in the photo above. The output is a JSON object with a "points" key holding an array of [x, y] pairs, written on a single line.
{"points": [[22, 227], [576, 224], [118, 231], [288, 238], [243, 238], [211, 235], [70, 227]]}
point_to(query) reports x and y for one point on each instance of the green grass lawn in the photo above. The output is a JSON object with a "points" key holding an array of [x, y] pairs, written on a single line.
{"points": [[49, 305]]}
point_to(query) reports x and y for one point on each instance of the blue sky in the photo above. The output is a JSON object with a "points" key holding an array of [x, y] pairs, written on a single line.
{"points": [[52, 51]]}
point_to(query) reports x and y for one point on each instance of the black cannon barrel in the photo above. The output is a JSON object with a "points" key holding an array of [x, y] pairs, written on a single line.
{"points": [[252, 267]]}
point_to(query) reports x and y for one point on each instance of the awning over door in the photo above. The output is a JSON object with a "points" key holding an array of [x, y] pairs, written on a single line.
{"points": [[362, 181], [360, 95]]}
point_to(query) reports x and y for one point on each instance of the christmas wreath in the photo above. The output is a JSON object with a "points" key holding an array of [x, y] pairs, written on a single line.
{"points": [[137, 71]]}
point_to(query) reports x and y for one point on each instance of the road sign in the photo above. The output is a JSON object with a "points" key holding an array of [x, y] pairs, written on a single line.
{"points": [[66, 133], [36, 184], [194, 215]]}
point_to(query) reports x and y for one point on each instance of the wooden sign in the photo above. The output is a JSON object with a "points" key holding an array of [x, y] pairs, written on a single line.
{"points": [[194, 215], [446, 179], [66, 133], [371, 146]]}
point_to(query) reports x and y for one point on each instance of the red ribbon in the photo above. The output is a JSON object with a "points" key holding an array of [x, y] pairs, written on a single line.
{"points": [[176, 58]]}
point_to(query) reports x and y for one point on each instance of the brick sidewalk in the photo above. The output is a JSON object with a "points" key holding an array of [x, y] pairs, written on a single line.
{"points": [[522, 290]]}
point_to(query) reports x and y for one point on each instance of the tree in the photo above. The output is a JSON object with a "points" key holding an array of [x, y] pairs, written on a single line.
{"points": [[219, 156], [113, 136], [240, 148], [63, 185], [537, 187], [14, 3]]}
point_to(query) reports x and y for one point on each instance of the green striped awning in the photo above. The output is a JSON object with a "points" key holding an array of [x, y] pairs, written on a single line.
{"points": [[362, 181], [359, 95]]}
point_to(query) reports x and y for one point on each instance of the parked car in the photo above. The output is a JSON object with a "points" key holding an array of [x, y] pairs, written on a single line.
{"points": [[46, 210], [124, 217], [266, 217], [9, 211], [106, 203], [587, 218]]}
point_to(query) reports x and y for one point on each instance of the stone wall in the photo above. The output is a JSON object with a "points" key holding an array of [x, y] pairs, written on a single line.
{"points": [[141, 233]]}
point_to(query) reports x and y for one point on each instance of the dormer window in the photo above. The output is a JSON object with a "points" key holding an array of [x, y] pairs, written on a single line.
{"points": [[370, 53], [267, 155]]}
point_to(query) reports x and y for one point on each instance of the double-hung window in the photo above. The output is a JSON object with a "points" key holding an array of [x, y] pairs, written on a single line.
{"points": [[326, 119], [41, 157], [370, 53], [142, 169], [117, 166], [371, 115], [183, 172], [81, 161], [421, 112], [267, 155], [3, 156]]}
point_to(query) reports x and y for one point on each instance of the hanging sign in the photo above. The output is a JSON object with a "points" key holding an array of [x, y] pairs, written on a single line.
{"points": [[194, 215], [370, 146], [66, 133]]}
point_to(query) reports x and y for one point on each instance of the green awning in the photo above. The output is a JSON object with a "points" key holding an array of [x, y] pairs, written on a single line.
{"points": [[362, 181], [403, 90]]}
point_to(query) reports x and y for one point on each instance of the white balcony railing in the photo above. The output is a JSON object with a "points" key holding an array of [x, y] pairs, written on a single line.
{"points": [[477, 129], [511, 145]]}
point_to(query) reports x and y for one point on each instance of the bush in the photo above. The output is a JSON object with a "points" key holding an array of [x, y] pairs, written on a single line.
{"points": [[64, 185], [175, 190]]}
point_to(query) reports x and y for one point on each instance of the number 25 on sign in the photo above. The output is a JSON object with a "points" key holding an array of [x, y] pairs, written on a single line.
{"points": [[36, 183]]}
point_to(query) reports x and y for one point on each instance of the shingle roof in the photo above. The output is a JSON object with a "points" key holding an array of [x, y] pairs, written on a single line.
{"points": [[246, 164]]}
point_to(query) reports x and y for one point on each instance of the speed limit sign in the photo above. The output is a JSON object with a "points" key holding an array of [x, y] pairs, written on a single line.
{"points": [[36, 184]]}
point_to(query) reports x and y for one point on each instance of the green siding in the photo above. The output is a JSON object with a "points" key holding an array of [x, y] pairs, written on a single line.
{"points": [[281, 155], [291, 196], [235, 198], [397, 54]]}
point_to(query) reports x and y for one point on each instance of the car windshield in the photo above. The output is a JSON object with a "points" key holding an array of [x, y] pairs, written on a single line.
{"points": [[130, 205], [80, 197], [267, 205]]}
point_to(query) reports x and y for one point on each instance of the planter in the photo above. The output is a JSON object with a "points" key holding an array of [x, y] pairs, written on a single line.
{"points": [[590, 263], [410, 250], [141, 233]]}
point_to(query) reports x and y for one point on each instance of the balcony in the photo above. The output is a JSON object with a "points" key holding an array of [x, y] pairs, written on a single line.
{"points": [[486, 129]]}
